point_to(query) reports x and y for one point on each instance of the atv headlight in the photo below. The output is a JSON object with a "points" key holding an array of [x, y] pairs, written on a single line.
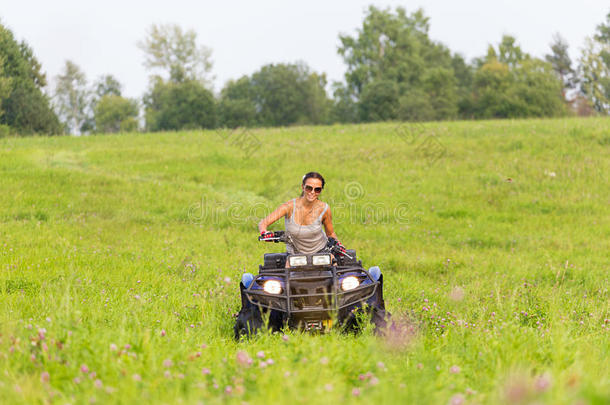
{"points": [[320, 260], [272, 287], [349, 283], [296, 261]]}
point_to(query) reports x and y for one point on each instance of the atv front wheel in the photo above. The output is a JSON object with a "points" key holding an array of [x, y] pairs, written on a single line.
{"points": [[249, 321]]}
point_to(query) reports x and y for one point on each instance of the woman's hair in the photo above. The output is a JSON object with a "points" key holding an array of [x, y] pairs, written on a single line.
{"points": [[312, 175]]}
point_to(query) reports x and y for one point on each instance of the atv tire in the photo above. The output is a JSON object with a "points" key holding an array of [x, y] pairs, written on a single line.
{"points": [[249, 321]]}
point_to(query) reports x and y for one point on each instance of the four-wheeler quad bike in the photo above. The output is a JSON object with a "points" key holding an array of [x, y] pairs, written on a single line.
{"points": [[311, 293]]}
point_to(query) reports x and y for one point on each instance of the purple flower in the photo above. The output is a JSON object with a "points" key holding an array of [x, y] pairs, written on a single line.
{"points": [[542, 383], [260, 355], [205, 371], [84, 368], [356, 392], [45, 377], [454, 369], [243, 358], [457, 399]]}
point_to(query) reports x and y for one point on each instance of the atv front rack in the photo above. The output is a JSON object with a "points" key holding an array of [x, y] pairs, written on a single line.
{"points": [[311, 291]]}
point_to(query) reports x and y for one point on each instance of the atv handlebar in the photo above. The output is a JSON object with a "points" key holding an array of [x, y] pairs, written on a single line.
{"points": [[277, 236], [332, 245]]}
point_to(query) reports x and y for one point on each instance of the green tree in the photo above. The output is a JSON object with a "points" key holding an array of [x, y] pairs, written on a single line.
{"points": [[394, 47], [594, 68], [174, 51], [344, 107], [24, 106], [379, 101], [184, 105], [281, 94], [72, 97], [114, 113], [562, 64], [510, 83], [595, 75]]}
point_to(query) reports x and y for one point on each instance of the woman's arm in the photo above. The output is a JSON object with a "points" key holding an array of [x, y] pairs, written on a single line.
{"points": [[327, 221], [279, 212]]}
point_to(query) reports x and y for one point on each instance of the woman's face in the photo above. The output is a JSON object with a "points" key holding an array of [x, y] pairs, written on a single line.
{"points": [[312, 189]]}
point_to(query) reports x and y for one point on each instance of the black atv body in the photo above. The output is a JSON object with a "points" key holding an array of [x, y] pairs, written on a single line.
{"points": [[322, 291]]}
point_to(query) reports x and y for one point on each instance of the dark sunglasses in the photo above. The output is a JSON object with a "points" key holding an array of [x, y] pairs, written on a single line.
{"points": [[317, 190]]}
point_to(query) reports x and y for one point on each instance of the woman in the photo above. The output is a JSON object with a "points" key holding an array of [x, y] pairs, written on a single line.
{"points": [[303, 219]]}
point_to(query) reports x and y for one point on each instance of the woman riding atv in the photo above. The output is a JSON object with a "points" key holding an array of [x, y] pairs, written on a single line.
{"points": [[303, 219]]}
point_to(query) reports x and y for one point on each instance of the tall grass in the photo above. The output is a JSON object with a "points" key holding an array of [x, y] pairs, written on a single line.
{"points": [[120, 258]]}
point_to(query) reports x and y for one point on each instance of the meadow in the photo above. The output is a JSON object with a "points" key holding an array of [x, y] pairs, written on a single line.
{"points": [[120, 258]]}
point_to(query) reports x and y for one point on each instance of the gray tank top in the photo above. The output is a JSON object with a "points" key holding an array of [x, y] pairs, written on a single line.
{"points": [[305, 238]]}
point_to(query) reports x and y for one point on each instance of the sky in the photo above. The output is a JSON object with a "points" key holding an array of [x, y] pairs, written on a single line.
{"points": [[101, 36]]}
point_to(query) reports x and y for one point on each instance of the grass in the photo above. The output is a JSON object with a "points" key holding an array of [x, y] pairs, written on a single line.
{"points": [[120, 257]]}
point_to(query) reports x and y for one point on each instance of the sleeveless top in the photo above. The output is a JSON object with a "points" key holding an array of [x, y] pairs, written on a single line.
{"points": [[305, 238]]}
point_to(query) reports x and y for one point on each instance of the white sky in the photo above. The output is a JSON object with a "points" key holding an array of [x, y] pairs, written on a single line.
{"points": [[101, 36]]}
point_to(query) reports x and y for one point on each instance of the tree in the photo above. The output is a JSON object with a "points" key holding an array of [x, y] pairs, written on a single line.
{"points": [[72, 97], [594, 68], [23, 106], [595, 75], [277, 94], [114, 113], [169, 48], [184, 105], [562, 64], [394, 47], [510, 83], [344, 108]]}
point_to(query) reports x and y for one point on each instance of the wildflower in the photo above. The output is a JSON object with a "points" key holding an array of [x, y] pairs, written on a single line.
{"points": [[228, 390], [181, 376], [454, 369], [324, 360], [127, 346], [420, 366], [98, 383], [270, 362], [260, 355], [45, 377], [205, 371], [285, 338], [137, 297], [113, 347], [243, 358], [84, 368], [381, 365], [136, 377], [356, 392], [167, 363], [542, 383], [167, 374], [92, 375], [374, 381], [76, 380], [163, 333], [457, 399]]}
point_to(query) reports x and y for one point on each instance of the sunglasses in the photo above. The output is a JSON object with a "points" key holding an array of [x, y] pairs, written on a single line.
{"points": [[309, 189]]}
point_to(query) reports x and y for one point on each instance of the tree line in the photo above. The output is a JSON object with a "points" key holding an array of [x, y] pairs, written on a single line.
{"points": [[395, 71]]}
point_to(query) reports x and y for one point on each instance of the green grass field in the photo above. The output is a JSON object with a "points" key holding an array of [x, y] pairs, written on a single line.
{"points": [[120, 258]]}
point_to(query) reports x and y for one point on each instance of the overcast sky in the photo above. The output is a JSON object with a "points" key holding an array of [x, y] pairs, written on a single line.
{"points": [[101, 36]]}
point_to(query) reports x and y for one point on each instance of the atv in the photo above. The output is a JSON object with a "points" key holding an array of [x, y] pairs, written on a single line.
{"points": [[310, 292]]}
